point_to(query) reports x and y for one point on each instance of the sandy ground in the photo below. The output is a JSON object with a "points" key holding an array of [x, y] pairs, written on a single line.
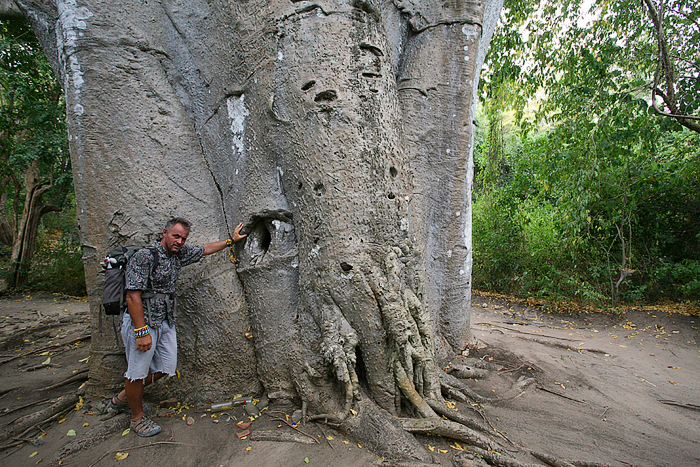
{"points": [[610, 389]]}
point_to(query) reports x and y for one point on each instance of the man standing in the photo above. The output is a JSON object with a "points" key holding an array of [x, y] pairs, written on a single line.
{"points": [[148, 329]]}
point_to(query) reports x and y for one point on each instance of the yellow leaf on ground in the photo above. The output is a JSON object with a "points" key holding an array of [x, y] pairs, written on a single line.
{"points": [[71, 433], [442, 451], [86, 424], [33, 454], [329, 438], [432, 448], [126, 432], [121, 455], [346, 442], [248, 448]]}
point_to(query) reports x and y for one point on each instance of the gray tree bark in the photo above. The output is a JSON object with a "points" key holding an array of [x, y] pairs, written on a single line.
{"points": [[339, 131]]}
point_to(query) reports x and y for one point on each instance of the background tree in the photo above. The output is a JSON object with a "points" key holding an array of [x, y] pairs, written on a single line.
{"points": [[36, 175]]}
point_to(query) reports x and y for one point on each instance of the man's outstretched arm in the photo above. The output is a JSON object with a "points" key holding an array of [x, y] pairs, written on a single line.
{"points": [[213, 247]]}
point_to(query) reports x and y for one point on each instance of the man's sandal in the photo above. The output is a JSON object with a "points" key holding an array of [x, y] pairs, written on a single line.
{"points": [[145, 427], [119, 406]]}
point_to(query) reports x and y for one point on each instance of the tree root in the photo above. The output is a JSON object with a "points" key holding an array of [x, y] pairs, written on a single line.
{"points": [[383, 434], [499, 460], [589, 464], [281, 437], [478, 363], [308, 436], [19, 338], [550, 460], [555, 342], [82, 375], [454, 385], [97, 433], [453, 415], [61, 405], [15, 409], [411, 394], [466, 371], [393, 463], [448, 429], [518, 389], [554, 462]]}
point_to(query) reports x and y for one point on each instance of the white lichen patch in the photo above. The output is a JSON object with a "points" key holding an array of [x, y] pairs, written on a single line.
{"points": [[71, 20], [237, 113], [314, 251]]}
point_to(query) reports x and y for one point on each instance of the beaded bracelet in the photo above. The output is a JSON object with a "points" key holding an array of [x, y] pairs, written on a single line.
{"points": [[141, 332], [229, 242]]}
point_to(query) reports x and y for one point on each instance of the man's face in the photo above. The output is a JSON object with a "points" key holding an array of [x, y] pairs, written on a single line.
{"points": [[174, 238]]}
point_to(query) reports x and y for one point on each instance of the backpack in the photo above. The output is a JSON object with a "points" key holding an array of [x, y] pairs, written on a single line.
{"points": [[114, 289]]}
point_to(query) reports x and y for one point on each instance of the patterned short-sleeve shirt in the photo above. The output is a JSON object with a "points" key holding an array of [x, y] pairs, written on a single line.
{"points": [[164, 277]]}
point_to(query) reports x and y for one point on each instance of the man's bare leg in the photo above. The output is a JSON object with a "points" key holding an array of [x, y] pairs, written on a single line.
{"points": [[133, 393]]}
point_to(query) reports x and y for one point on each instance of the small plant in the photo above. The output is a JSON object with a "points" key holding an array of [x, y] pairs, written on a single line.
{"points": [[58, 265]]}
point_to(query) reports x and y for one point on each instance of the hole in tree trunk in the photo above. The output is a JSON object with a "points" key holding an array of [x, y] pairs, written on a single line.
{"points": [[326, 96], [362, 372], [258, 243]]}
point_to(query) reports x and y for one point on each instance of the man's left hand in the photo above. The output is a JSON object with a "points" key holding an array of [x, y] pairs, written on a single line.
{"points": [[237, 233]]}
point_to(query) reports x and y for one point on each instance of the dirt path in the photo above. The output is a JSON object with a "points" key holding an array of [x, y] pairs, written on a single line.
{"points": [[599, 400]]}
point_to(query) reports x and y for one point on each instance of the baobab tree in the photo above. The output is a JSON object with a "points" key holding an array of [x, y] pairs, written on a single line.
{"points": [[340, 132]]}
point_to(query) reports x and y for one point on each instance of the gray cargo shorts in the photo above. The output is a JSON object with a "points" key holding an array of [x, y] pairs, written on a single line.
{"points": [[162, 356]]}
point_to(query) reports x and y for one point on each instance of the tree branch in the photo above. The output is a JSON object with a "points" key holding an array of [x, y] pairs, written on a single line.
{"points": [[666, 69]]}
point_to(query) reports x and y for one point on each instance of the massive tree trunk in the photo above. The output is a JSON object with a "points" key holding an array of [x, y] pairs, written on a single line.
{"points": [[340, 132]]}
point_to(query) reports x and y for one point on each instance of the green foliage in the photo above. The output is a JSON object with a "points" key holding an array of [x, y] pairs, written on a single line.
{"points": [[600, 182], [58, 263]]}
